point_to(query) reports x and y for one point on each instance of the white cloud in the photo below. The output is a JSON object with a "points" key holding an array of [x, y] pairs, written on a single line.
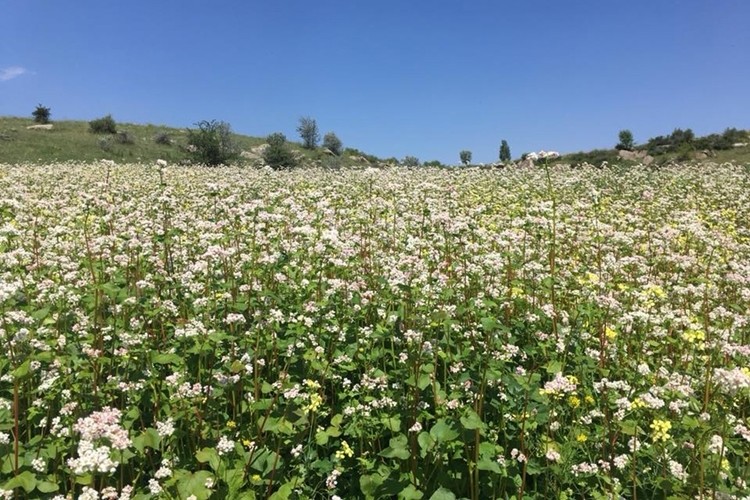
{"points": [[11, 72]]}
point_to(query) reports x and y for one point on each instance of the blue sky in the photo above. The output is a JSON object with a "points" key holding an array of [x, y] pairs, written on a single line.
{"points": [[390, 77]]}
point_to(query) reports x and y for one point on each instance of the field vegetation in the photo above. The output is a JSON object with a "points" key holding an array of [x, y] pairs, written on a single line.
{"points": [[186, 332]]}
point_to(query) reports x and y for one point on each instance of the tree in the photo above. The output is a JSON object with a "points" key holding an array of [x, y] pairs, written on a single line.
{"points": [[308, 131], [41, 114], [212, 143], [410, 161], [504, 151], [332, 143], [278, 155], [465, 157], [626, 140]]}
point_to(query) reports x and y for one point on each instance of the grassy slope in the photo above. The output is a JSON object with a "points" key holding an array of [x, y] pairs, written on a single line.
{"points": [[72, 141]]}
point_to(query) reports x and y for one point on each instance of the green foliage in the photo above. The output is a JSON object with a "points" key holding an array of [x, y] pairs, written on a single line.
{"points": [[41, 114], [163, 138], [278, 155], [410, 161], [332, 143], [125, 138], [211, 144], [103, 125], [308, 132], [465, 157], [434, 164], [504, 151], [626, 140]]}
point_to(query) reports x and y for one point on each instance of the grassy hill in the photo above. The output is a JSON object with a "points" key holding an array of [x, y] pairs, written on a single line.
{"points": [[72, 141]]}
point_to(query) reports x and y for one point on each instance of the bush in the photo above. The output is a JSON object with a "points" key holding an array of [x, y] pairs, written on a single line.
{"points": [[212, 143], [104, 125], [41, 114], [125, 138], [278, 155], [465, 157], [308, 131], [332, 143], [163, 138]]}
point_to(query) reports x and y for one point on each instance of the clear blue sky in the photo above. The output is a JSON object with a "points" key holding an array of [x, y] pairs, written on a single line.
{"points": [[391, 77]]}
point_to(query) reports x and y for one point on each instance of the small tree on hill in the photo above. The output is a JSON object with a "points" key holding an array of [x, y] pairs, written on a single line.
{"points": [[212, 143], [465, 157], [504, 151], [410, 161], [308, 131], [626, 140], [332, 143], [278, 155], [41, 114]]}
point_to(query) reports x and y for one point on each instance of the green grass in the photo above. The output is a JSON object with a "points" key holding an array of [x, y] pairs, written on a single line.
{"points": [[72, 141]]}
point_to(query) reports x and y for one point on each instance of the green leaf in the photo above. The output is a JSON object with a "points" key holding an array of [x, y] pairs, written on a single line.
{"points": [[193, 484], [368, 484], [489, 465], [393, 423], [424, 381], [397, 449], [22, 371], [443, 494], [471, 420], [442, 432], [553, 367], [25, 480], [321, 438], [284, 492], [410, 493], [208, 455], [426, 441], [165, 358], [47, 487], [235, 479]]}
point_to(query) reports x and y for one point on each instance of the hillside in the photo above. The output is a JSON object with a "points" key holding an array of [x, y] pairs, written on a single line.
{"points": [[70, 140]]}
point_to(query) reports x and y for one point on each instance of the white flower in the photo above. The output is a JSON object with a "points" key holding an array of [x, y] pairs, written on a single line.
{"points": [[224, 446], [161, 163]]}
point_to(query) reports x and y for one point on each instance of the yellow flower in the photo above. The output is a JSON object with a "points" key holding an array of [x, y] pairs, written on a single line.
{"points": [[660, 430], [693, 336], [574, 401], [637, 403], [231, 424], [255, 478], [610, 333], [582, 438], [345, 451], [589, 399], [315, 401]]}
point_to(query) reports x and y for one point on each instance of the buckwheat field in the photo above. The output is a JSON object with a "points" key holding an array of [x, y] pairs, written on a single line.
{"points": [[191, 333]]}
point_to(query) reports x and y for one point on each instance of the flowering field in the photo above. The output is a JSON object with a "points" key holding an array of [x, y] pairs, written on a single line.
{"points": [[193, 333]]}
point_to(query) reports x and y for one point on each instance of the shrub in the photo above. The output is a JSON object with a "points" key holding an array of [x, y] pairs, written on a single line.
{"points": [[278, 155], [212, 143], [308, 131], [434, 164], [125, 138], [626, 140], [104, 125], [41, 114], [332, 143], [163, 138], [465, 157], [504, 151]]}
